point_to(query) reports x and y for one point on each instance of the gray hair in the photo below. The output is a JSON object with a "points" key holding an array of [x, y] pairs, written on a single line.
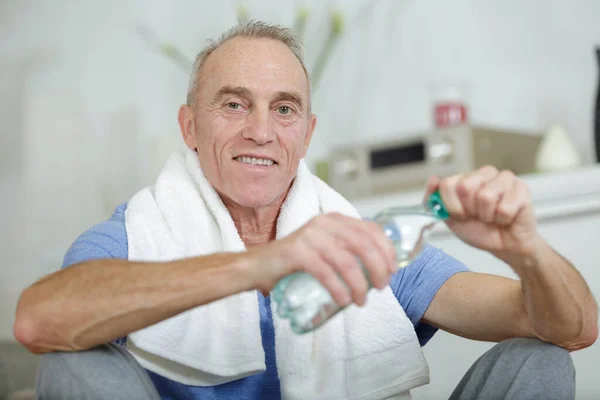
{"points": [[249, 29]]}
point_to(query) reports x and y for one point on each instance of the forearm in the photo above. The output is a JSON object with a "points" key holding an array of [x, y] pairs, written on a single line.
{"points": [[97, 301], [557, 300]]}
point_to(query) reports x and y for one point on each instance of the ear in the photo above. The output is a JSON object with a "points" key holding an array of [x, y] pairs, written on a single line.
{"points": [[187, 126], [312, 123]]}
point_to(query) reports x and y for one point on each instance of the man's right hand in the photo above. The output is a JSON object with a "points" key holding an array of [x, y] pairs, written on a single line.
{"points": [[328, 247]]}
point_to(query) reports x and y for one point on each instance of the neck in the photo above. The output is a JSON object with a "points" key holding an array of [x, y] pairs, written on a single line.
{"points": [[255, 225]]}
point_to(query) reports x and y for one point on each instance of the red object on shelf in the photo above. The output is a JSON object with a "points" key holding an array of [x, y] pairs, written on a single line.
{"points": [[450, 113]]}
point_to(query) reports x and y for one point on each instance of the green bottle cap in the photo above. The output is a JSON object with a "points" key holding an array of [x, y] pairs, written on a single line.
{"points": [[436, 205]]}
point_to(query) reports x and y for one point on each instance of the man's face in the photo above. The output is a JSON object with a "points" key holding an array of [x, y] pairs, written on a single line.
{"points": [[250, 122]]}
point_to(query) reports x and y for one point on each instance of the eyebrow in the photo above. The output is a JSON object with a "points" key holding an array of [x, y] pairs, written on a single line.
{"points": [[293, 97], [235, 91]]}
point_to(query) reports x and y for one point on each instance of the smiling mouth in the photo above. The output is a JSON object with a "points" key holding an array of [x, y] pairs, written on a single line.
{"points": [[267, 162]]}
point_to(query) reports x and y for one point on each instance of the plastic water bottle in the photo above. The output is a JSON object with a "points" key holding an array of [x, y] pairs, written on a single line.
{"points": [[303, 300]]}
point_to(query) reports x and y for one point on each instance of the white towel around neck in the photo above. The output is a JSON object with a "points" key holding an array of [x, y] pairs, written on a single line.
{"points": [[368, 352]]}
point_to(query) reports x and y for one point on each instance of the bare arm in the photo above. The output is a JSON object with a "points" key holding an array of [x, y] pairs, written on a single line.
{"points": [[551, 302], [491, 210], [480, 307], [556, 298], [97, 301]]}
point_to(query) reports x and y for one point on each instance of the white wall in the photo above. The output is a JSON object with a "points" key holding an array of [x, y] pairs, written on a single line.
{"points": [[88, 112], [526, 65], [66, 82]]}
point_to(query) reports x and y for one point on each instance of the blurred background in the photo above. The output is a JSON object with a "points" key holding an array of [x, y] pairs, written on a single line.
{"points": [[89, 93]]}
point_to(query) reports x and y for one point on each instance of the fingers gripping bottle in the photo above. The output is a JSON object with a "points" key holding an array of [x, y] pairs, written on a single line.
{"points": [[303, 300]]}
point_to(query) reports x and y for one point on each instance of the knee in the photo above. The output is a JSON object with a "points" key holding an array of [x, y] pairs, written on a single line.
{"points": [[63, 374], [521, 368], [72, 365], [538, 352], [72, 375], [548, 369], [58, 376]]}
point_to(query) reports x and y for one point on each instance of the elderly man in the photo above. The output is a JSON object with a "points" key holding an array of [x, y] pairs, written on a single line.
{"points": [[169, 298]]}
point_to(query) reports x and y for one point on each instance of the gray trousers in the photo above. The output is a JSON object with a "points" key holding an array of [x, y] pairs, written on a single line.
{"points": [[520, 369]]}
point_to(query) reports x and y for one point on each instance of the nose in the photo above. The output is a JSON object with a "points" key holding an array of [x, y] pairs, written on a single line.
{"points": [[259, 127]]}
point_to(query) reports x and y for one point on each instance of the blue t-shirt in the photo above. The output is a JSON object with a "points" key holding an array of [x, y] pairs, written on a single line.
{"points": [[414, 287]]}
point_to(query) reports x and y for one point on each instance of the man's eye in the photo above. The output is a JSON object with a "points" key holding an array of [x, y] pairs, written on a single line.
{"points": [[234, 106], [284, 110]]}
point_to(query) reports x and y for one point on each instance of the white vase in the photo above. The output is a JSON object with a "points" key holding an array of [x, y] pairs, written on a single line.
{"points": [[557, 152]]}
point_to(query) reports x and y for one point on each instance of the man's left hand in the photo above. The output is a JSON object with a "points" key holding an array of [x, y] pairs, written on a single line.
{"points": [[490, 210]]}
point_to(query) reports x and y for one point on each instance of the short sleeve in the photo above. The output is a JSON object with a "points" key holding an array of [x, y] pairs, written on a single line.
{"points": [[416, 285], [108, 239]]}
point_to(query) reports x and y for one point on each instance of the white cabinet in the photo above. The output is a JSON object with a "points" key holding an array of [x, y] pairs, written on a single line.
{"points": [[568, 209]]}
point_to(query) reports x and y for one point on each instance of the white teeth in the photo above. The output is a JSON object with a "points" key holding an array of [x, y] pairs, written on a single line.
{"points": [[255, 161]]}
